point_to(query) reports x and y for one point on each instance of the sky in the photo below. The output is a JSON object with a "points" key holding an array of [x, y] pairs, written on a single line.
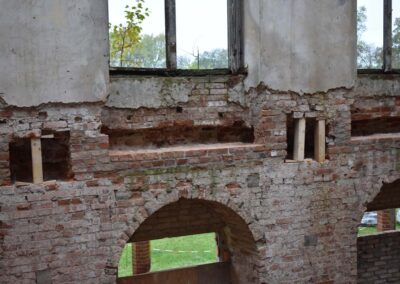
{"points": [[374, 32], [198, 26]]}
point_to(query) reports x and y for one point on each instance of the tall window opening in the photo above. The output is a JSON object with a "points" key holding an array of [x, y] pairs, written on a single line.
{"points": [[156, 35], [378, 35]]}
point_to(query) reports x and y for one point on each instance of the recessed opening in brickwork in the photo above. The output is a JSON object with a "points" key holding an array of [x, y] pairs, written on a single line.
{"points": [[55, 158], [380, 125], [309, 139], [178, 136], [230, 242], [21, 160]]}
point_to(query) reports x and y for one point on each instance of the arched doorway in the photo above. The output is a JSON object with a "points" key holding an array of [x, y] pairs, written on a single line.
{"points": [[237, 252]]}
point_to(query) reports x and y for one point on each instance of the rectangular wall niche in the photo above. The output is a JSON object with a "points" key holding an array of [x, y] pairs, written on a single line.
{"points": [[305, 139], [55, 158], [380, 125], [178, 136]]}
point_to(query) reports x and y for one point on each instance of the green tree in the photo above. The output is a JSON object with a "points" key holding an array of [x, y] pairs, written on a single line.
{"points": [[124, 37], [149, 52], [396, 44]]}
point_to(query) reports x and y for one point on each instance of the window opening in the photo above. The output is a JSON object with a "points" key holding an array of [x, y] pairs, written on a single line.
{"points": [[370, 34], [378, 35], [137, 33], [201, 32], [396, 34], [377, 221], [147, 36]]}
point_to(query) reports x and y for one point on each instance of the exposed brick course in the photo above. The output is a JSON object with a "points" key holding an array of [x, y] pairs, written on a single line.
{"points": [[379, 258], [302, 216]]}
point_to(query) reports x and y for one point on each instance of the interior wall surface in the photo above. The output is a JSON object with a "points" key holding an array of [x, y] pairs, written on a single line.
{"points": [[304, 46], [53, 51]]}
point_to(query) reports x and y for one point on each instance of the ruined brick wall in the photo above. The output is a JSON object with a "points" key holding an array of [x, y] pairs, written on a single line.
{"points": [[303, 216], [379, 258]]}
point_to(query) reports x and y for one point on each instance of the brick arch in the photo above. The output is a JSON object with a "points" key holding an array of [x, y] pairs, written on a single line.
{"points": [[375, 188], [195, 216]]}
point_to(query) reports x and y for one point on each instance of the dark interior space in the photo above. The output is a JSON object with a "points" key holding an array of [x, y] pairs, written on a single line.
{"points": [[380, 125], [309, 139], [56, 157], [21, 160]]}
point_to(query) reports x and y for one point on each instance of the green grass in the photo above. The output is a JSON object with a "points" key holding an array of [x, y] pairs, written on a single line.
{"points": [[172, 253], [125, 262], [363, 231], [186, 251]]}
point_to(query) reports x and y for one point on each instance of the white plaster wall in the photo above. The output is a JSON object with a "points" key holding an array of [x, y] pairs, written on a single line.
{"points": [[304, 46], [53, 51]]}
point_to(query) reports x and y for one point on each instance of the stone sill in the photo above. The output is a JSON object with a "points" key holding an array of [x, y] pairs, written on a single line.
{"points": [[204, 150], [389, 137]]}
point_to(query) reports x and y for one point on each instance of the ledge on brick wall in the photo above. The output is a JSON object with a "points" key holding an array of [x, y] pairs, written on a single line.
{"points": [[386, 137], [177, 152]]}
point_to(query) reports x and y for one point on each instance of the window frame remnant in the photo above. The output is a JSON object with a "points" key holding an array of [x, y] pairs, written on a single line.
{"points": [[387, 43], [235, 46]]}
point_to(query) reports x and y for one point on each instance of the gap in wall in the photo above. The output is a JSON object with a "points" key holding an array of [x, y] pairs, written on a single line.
{"points": [[309, 139], [379, 125], [21, 160], [154, 138], [56, 156], [310, 135]]}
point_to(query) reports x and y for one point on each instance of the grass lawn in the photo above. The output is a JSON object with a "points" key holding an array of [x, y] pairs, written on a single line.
{"points": [[363, 231], [174, 252]]}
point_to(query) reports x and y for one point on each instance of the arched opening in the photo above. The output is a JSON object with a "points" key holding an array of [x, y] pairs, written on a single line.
{"points": [[378, 243], [235, 248]]}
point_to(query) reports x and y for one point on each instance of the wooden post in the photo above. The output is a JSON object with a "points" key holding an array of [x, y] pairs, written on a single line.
{"points": [[170, 34], [319, 141], [387, 35], [299, 139], [37, 167]]}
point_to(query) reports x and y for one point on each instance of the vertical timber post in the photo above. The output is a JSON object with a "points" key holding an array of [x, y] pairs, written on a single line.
{"points": [[235, 34], [299, 139], [37, 166], [170, 33], [319, 141], [387, 35]]}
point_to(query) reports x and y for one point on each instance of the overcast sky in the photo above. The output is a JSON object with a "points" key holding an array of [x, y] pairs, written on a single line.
{"points": [[374, 32], [198, 26]]}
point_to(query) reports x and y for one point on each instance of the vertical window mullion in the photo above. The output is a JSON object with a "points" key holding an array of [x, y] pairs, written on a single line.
{"points": [[387, 35], [170, 33], [235, 28]]}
